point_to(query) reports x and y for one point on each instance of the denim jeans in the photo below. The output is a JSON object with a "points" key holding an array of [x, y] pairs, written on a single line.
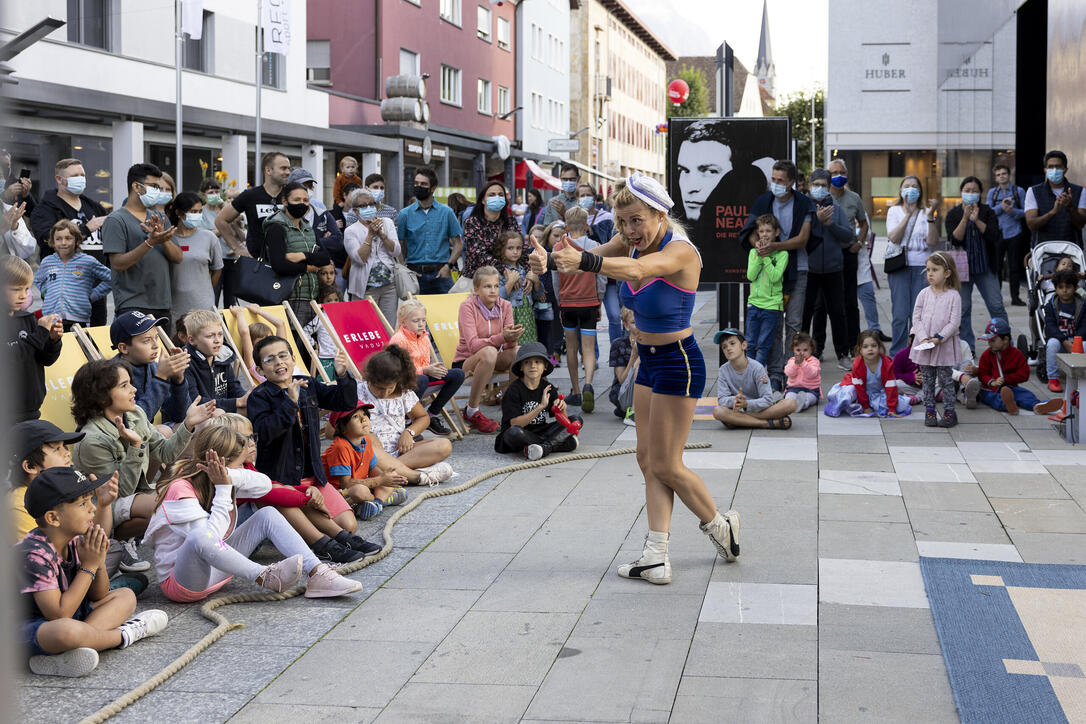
{"points": [[1022, 397], [905, 285], [866, 294], [762, 324], [793, 318], [453, 379], [989, 287], [431, 283], [1053, 347], [614, 311]]}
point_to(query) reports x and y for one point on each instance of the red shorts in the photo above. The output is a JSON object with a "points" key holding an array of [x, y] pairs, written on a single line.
{"points": [[333, 500]]}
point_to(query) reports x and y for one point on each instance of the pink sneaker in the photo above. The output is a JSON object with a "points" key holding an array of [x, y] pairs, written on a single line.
{"points": [[324, 582]]}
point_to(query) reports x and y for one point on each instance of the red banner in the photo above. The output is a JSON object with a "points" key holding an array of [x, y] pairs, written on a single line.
{"points": [[359, 329]]}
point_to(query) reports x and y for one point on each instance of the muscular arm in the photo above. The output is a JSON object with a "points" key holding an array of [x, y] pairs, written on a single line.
{"points": [[673, 259]]}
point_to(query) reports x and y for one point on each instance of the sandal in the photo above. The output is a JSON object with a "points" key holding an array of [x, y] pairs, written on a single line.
{"points": [[784, 423]]}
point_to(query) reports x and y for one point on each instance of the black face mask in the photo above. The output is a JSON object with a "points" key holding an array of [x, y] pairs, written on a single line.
{"points": [[297, 210], [421, 193]]}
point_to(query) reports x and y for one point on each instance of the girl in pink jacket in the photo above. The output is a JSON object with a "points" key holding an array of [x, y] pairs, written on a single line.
{"points": [[804, 373], [488, 341]]}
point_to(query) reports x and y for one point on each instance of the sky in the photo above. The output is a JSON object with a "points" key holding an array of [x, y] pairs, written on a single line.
{"points": [[798, 33]]}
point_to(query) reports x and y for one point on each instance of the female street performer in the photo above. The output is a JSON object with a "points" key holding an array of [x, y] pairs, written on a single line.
{"points": [[660, 278]]}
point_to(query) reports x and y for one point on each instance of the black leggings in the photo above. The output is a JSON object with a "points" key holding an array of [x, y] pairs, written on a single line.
{"points": [[515, 439]]}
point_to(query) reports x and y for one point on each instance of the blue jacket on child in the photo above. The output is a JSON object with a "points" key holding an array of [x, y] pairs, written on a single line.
{"points": [[216, 382], [154, 395], [1052, 319]]}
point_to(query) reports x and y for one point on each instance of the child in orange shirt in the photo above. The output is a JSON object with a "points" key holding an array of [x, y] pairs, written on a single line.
{"points": [[348, 174], [413, 337], [351, 465]]}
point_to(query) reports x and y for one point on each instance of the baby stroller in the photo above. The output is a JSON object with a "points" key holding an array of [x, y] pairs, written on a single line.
{"points": [[1042, 261]]}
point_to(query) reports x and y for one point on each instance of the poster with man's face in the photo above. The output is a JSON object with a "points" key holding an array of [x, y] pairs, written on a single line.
{"points": [[717, 167]]}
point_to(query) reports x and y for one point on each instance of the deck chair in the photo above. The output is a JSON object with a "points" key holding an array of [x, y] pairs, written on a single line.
{"points": [[57, 405], [235, 337]]}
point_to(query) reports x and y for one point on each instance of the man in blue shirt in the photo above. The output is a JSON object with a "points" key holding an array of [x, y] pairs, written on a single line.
{"points": [[430, 235], [1007, 201]]}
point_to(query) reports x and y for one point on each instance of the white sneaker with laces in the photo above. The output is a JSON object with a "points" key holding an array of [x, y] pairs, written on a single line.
{"points": [[654, 565], [436, 473], [533, 452], [130, 558], [141, 625], [281, 575], [723, 531], [77, 662], [324, 582]]}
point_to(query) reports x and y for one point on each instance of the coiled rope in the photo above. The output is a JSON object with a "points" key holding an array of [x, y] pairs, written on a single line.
{"points": [[222, 625]]}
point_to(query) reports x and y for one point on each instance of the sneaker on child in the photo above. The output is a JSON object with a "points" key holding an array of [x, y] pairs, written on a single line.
{"points": [[77, 662], [281, 575], [588, 398], [324, 582], [480, 422], [438, 426], [629, 419], [356, 542], [368, 509], [434, 474], [332, 551], [130, 558], [142, 625]]}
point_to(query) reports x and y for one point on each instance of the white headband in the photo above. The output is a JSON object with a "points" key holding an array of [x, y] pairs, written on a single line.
{"points": [[650, 191]]}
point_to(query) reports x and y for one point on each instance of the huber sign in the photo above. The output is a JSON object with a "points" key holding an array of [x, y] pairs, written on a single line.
{"points": [[717, 167]]}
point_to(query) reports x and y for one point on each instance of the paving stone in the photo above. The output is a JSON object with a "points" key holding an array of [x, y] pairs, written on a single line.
{"points": [[782, 448], [1040, 516], [999, 485], [866, 540], [776, 493], [847, 426], [973, 551], [872, 508], [915, 469], [1068, 548], [780, 470], [904, 438], [999, 432], [767, 651], [48, 704], [858, 482], [943, 496], [621, 613], [844, 444], [524, 590], [871, 583], [488, 533], [701, 460], [496, 647], [254, 713], [1017, 450], [776, 554], [752, 603], [218, 670], [883, 687], [957, 526], [441, 569], [189, 707], [431, 613], [704, 698], [876, 628], [870, 462], [906, 454], [467, 703]]}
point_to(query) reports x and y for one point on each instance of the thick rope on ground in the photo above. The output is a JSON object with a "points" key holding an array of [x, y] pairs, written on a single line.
{"points": [[222, 625]]}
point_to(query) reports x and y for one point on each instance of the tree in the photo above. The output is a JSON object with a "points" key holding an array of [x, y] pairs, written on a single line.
{"points": [[697, 103], [798, 107]]}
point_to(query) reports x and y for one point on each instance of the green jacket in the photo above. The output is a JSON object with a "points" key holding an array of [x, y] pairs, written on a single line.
{"points": [[299, 238], [102, 453], [765, 274]]}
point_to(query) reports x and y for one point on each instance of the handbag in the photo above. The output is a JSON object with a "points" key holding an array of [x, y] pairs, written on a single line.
{"points": [[899, 261], [961, 261], [406, 281], [257, 282]]}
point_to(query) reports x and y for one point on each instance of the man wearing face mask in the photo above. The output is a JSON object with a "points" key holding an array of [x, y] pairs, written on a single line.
{"points": [[1055, 208], [556, 208], [431, 236], [135, 239], [68, 201], [375, 184], [1006, 200], [795, 214]]}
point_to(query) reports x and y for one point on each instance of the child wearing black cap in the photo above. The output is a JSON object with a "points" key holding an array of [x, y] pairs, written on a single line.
{"points": [[159, 379], [72, 612], [525, 406], [37, 445], [743, 390]]}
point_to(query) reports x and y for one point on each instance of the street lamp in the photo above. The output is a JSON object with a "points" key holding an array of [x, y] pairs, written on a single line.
{"points": [[22, 41]]}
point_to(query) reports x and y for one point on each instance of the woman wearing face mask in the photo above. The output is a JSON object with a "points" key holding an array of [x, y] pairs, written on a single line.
{"points": [[913, 231], [488, 218], [169, 190], [973, 226], [292, 249], [372, 246], [231, 245], [193, 281]]}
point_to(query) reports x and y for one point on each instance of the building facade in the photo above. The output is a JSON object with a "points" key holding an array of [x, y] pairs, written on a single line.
{"points": [[618, 88], [543, 52], [914, 89], [102, 88]]}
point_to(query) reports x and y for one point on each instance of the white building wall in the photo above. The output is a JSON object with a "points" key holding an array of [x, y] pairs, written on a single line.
{"points": [[543, 55]]}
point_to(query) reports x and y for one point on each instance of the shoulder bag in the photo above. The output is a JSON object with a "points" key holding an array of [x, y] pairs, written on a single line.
{"points": [[899, 261], [258, 282]]}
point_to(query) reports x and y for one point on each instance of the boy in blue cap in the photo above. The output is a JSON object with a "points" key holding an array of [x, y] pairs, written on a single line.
{"points": [[1002, 371], [159, 379]]}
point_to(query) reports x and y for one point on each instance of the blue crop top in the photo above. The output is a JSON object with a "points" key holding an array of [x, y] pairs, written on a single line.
{"points": [[659, 305]]}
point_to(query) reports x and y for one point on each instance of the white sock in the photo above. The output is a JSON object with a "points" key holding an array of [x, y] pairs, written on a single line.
{"points": [[469, 410]]}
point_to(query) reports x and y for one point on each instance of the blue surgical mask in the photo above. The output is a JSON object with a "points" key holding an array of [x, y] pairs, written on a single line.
{"points": [[365, 213], [495, 203], [378, 195], [778, 190], [910, 195], [1055, 175], [164, 197], [77, 184], [587, 203], [970, 199], [838, 182], [194, 221], [150, 197], [569, 187], [819, 192]]}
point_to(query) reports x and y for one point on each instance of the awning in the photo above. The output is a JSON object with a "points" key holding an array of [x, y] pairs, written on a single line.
{"points": [[589, 169], [540, 178]]}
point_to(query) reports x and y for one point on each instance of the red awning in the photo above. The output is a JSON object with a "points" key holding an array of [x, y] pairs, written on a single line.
{"points": [[541, 179]]}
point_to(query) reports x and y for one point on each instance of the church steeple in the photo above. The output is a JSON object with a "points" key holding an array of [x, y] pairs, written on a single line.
{"points": [[764, 70]]}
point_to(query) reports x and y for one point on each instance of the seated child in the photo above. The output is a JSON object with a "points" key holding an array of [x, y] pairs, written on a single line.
{"points": [[743, 390], [413, 337], [1002, 371], [198, 549], [352, 466], [210, 374], [318, 333], [72, 613], [1066, 263], [488, 341], [870, 387], [159, 379], [804, 373], [303, 508], [390, 387], [765, 306], [120, 439], [624, 361], [37, 445], [32, 344], [1065, 319], [69, 280], [250, 334], [525, 406]]}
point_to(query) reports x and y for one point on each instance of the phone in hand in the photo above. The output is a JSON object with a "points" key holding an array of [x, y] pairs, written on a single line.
{"points": [[24, 173]]}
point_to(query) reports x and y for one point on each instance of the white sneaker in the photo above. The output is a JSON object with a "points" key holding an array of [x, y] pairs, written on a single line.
{"points": [[130, 558], [141, 625], [971, 390], [323, 582], [533, 452], [77, 662], [436, 473], [654, 565], [723, 531], [282, 575]]}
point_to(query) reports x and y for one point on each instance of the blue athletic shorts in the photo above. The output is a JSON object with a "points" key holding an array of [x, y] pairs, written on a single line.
{"points": [[28, 629], [672, 369]]}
